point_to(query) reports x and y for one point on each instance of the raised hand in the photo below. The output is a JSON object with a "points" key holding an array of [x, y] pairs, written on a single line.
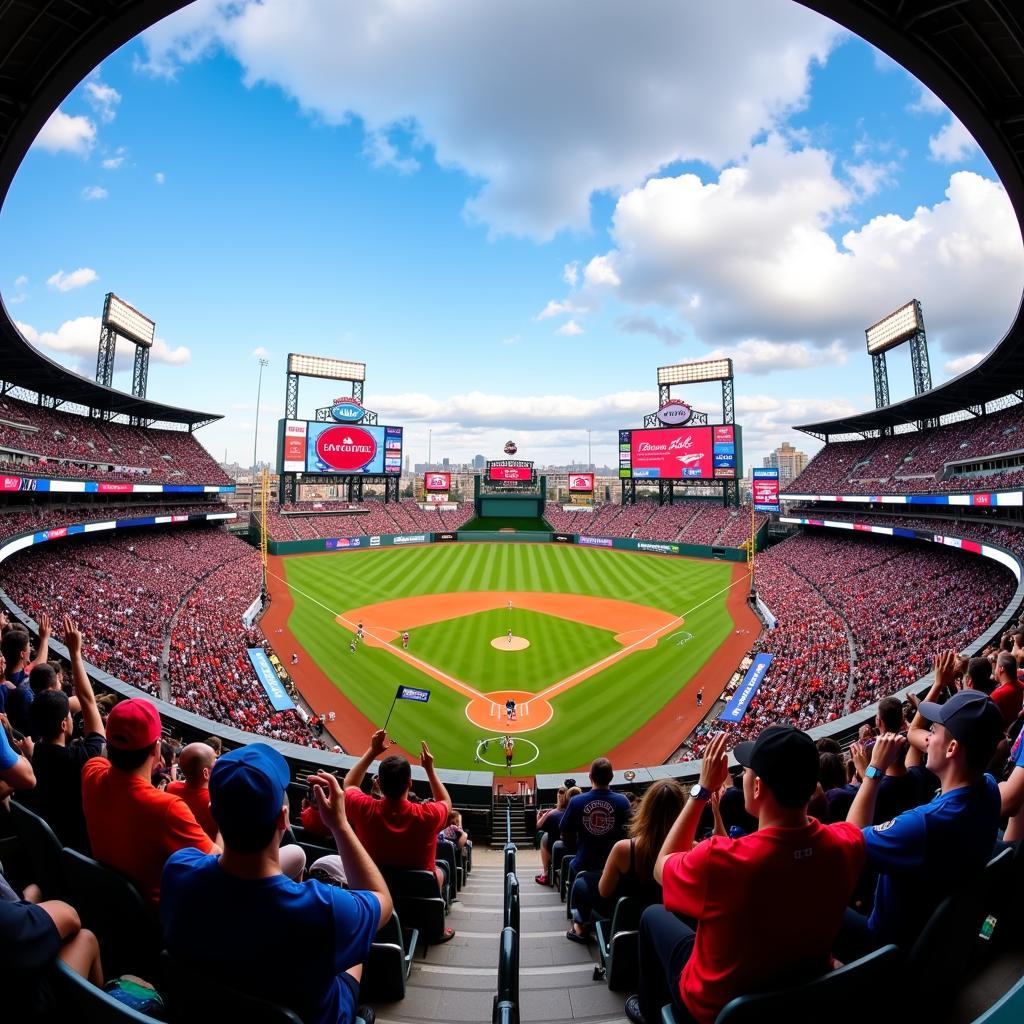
{"points": [[72, 638], [330, 801]]}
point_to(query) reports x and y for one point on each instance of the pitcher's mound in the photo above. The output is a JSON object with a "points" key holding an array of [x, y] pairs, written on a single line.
{"points": [[515, 643]]}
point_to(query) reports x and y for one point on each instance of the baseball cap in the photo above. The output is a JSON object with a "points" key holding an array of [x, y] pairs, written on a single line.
{"points": [[970, 716], [786, 759], [133, 724], [247, 788]]}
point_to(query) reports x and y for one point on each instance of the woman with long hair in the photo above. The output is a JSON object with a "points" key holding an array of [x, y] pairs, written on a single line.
{"points": [[629, 870], [549, 823]]}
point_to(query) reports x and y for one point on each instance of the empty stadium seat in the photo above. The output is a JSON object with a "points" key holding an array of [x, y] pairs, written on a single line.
{"points": [[418, 901], [390, 962], [618, 945], [43, 849]]}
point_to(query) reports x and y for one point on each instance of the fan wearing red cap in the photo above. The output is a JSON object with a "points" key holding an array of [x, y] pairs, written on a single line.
{"points": [[745, 894], [133, 826], [926, 852]]}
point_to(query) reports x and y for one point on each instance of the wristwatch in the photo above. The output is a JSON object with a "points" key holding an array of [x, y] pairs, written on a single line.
{"points": [[698, 792], [873, 772]]}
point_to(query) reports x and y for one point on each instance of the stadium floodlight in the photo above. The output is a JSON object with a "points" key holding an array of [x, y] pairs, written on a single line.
{"points": [[894, 329], [127, 321], [696, 373], [324, 366]]}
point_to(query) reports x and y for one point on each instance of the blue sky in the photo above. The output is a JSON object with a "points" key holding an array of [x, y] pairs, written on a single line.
{"points": [[513, 214]]}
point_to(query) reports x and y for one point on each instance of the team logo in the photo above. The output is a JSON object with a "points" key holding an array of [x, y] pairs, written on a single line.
{"points": [[674, 413], [347, 410], [510, 448], [599, 817], [345, 449]]}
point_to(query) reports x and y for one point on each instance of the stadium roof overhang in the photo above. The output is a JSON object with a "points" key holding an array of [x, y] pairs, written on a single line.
{"points": [[968, 52], [47, 48]]}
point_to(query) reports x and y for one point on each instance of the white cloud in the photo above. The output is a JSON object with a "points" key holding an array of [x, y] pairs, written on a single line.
{"points": [[513, 339], [570, 329], [20, 281], [571, 274], [927, 102], [869, 177], [554, 308], [64, 133], [750, 255], [963, 363], [93, 192], [160, 178], [103, 99], [112, 163], [382, 152], [759, 358], [650, 86], [640, 324], [79, 339], [768, 421], [953, 143], [76, 279], [260, 352]]}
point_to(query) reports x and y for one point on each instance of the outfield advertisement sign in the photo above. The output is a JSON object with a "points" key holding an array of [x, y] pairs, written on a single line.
{"points": [[765, 486], [411, 538], [269, 680], [562, 538], [343, 543], [445, 537], [745, 692], [596, 542], [657, 548]]}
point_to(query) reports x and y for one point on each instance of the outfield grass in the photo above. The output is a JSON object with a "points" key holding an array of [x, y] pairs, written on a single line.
{"points": [[589, 719]]}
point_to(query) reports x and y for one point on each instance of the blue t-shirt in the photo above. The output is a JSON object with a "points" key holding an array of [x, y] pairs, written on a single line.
{"points": [[598, 820], [8, 755], [1017, 750], [287, 941], [924, 853], [19, 700]]}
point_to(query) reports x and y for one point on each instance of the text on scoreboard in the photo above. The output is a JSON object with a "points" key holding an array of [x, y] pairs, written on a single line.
{"points": [[681, 453], [318, 447]]}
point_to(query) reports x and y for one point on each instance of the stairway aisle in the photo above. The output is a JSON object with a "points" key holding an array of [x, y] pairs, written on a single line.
{"points": [[556, 982], [457, 981]]}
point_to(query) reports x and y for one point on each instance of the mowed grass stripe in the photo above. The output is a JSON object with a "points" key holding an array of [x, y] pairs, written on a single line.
{"points": [[590, 718]]}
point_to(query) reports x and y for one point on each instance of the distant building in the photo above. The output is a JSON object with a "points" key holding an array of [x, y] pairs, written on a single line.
{"points": [[479, 462], [788, 461]]}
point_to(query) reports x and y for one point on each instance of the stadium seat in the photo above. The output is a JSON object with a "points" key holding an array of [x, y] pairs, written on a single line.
{"points": [[618, 945], [84, 1003], [838, 996], [108, 904], [570, 903], [43, 849], [390, 962], [418, 901], [943, 952], [446, 852]]}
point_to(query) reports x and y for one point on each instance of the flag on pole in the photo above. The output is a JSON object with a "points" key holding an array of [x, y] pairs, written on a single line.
{"points": [[412, 693]]}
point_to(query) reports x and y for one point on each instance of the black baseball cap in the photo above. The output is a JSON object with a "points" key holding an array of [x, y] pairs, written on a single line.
{"points": [[786, 760], [970, 716]]}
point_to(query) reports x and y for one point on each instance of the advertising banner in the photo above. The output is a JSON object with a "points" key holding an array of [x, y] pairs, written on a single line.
{"points": [[766, 490], [272, 685], [445, 538], [562, 538], [596, 542], [581, 482], [436, 498], [293, 450], [737, 707], [437, 482], [672, 453], [343, 543], [412, 693], [411, 538], [510, 474], [350, 449]]}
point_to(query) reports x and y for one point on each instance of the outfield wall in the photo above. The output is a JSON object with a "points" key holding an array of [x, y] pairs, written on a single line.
{"points": [[387, 540]]}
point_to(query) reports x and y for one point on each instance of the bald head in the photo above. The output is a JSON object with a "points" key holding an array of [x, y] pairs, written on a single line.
{"points": [[196, 761]]}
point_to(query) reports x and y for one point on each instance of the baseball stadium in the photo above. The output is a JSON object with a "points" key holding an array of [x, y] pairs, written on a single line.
{"points": [[574, 647]]}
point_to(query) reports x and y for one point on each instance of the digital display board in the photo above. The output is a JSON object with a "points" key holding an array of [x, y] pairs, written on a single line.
{"points": [[510, 474], [681, 453], [765, 485], [581, 481], [437, 482], [321, 448]]}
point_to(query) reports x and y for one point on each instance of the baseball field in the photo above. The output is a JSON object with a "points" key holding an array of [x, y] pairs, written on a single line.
{"points": [[602, 651]]}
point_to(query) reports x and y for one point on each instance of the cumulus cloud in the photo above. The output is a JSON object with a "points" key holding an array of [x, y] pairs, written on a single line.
{"points": [[758, 357], [115, 160], [963, 363], [868, 177], [79, 339], [20, 281], [570, 329], [64, 133], [103, 99], [384, 153], [160, 178], [571, 274], [640, 324], [751, 255], [93, 192], [650, 87], [768, 421], [260, 352], [76, 279], [554, 308], [953, 143]]}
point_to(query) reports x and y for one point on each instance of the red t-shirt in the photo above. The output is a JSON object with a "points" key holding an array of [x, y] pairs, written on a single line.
{"points": [[198, 800], [766, 905], [134, 827], [313, 823], [397, 833], [1008, 698]]}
